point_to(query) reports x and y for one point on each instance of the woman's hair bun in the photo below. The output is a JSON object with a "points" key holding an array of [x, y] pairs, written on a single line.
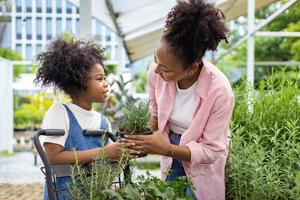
{"points": [[194, 27]]}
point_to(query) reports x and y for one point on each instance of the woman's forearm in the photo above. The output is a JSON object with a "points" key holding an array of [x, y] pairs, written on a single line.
{"points": [[179, 152], [153, 123]]}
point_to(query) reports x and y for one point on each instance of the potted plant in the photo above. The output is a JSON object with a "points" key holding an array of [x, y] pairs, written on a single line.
{"points": [[135, 120]]}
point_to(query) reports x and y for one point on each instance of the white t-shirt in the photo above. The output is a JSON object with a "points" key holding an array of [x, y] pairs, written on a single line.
{"points": [[182, 112], [57, 118]]}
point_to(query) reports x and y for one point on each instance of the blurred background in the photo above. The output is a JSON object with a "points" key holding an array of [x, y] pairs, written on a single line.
{"points": [[264, 40]]}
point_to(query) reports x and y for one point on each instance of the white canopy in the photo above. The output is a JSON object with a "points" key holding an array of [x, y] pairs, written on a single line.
{"points": [[140, 22]]}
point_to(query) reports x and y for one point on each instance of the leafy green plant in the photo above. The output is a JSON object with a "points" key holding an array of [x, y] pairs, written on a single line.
{"points": [[96, 182], [148, 165], [91, 181], [266, 48], [6, 154], [265, 144], [28, 116], [136, 117], [14, 56], [112, 68], [297, 187], [141, 81], [152, 188], [29, 110]]}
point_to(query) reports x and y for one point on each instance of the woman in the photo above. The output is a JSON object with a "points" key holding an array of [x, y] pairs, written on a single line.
{"points": [[191, 101]]}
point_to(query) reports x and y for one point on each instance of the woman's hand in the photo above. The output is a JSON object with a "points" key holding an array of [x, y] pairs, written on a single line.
{"points": [[149, 144]]}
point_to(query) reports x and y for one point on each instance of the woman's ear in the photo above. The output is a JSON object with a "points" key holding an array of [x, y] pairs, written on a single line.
{"points": [[193, 68]]}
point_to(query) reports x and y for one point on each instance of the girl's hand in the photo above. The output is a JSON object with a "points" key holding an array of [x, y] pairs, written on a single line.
{"points": [[149, 144], [114, 150]]}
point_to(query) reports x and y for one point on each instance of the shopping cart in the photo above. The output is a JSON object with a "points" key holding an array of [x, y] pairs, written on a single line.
{"points": [[50, 172]]}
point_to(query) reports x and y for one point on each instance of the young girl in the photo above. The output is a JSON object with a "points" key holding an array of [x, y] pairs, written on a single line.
{"points": [[77, 69], [191, 101]]}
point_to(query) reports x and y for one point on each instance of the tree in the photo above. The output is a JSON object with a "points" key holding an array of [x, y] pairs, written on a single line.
{"points": [[270, 48], [141, 81], [14, 56]]}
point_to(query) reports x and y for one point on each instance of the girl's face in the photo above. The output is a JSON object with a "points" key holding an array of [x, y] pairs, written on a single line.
{"points": [[97, 85], [169, 67]]}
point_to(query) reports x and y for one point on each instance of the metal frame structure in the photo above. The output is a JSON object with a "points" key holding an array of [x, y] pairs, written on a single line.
{"points": [[253, 31], [140, 23], [6, 106]]}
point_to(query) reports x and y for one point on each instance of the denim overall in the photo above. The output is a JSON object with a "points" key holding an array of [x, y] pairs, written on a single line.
{"points": [[177, 169], [77, 141]]}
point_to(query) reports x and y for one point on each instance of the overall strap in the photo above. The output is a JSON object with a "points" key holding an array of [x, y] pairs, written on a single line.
{"points": [[104, 123], [104, 126], [65, 170], [72, 117]]}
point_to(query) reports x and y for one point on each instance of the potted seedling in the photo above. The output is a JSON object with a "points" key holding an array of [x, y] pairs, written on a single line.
{"points": [[135, 120]]}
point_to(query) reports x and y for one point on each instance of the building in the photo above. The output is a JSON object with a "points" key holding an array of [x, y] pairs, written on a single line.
{"points": [[33, 23]]}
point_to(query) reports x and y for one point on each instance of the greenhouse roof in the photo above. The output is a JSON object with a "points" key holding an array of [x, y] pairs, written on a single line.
{"points": [[140, 22]]}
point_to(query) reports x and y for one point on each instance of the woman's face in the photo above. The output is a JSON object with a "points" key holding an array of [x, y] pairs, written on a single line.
{"points": [[169, 67], [97, 85]]}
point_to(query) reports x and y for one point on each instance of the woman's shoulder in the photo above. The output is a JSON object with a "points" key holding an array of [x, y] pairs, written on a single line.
{"points": [[215, 72], [218, 81]]}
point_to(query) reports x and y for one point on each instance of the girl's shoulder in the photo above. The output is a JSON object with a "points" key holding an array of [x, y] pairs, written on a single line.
{"points": [[56, 109], [55, 117]]}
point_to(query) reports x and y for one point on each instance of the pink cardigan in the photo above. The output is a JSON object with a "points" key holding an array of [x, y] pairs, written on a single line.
{"points": [[207, 136]]}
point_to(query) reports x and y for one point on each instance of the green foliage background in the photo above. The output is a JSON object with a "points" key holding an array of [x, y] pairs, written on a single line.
{"points": [[12, 55], [266, 48], [265, 145]]}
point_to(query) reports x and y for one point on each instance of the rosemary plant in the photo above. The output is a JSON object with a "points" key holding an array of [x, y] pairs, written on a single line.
{"points": [[91, 182], [136, 117], [265, 144]]}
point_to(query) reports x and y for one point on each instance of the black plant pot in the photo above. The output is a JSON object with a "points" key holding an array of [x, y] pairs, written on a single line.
{"points": [[121, 133]]}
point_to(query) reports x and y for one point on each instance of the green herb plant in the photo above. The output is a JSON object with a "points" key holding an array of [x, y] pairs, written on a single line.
{"points": [[152, 188], [96, 182], [265, 144], [136, 117], [91, 181]]}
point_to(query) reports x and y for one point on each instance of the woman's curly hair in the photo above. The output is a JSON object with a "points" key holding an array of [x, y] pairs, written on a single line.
{"points": [[193, 28], [66, 63]]}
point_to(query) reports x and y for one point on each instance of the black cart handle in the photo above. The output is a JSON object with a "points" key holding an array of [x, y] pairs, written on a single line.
{"points": [[50, 132], [39, 148], [100, 132]]}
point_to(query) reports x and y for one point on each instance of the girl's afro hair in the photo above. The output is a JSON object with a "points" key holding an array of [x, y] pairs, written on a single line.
{"points": [[66, 63]]}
